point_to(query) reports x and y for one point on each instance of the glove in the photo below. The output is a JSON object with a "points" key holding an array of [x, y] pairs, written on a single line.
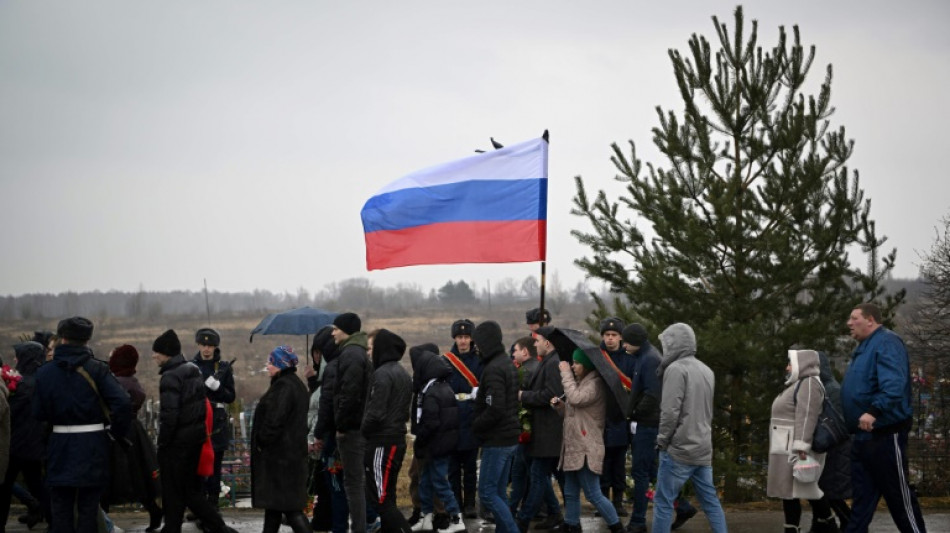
{"points": [[213, 383]]}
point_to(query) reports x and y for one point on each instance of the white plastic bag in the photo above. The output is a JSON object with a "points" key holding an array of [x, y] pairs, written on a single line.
{"points": [[806, 470]]}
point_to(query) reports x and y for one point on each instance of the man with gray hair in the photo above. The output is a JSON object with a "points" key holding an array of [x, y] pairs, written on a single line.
{"points": [[684, 438]]}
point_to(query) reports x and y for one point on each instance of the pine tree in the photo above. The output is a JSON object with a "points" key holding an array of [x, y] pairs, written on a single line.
{"points": [[745, 232]]}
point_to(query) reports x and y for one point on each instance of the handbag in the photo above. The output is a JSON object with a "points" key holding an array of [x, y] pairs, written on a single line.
{"points": [[830, 430], [806, 470]]}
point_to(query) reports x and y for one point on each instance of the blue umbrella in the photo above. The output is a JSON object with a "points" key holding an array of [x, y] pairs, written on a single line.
{"points": [[302, 321]]}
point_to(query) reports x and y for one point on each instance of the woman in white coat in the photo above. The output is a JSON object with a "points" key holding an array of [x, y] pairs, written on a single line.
{"points": [[794, 416]]}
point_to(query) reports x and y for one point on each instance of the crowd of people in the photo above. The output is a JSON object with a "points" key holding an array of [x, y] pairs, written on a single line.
{"points": [[513, 435]]}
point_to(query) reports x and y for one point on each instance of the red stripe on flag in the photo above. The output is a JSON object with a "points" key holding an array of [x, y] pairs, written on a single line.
{"points": [[485, 242]]}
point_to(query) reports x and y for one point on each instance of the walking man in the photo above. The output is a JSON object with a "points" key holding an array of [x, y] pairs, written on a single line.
{"points": [[349, 401], [87, 408], [181, 434], [875, 397], [685, 432]]}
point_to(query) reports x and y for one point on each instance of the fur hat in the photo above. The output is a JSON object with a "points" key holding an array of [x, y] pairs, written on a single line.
{"points": [[462, 326], [76, 328], [533, 316], [123, 360], [348, 323], [611, 323], [634, 334], [283, 357], [207, 337], [167, 344]]}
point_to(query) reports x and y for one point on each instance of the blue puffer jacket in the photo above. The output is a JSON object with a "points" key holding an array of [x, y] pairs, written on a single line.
{"points": [[878, 382], [467, 439], [63, 397]]}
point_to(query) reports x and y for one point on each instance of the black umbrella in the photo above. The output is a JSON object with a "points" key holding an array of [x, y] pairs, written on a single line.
{"points": [[566, 340]]}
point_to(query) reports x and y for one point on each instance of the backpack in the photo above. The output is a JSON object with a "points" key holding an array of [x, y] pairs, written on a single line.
{"points": [[830, 430]]}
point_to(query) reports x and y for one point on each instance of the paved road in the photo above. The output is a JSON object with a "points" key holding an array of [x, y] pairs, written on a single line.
{"points": [[740, 521]]}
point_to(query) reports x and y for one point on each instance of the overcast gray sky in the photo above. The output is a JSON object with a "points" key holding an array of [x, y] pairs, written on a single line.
{"points": [[161, 143]]}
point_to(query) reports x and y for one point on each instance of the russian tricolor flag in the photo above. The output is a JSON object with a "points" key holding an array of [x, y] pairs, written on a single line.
{"points": [[487, 208]]}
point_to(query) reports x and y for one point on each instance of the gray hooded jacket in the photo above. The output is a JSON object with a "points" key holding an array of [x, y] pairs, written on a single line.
{"points": [[685, 430]]}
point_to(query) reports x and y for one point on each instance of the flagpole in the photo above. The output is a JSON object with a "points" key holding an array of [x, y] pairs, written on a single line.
{"points": [[543, 267]]}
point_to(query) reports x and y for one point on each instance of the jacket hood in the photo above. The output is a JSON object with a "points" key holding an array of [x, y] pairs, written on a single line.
{"points": [[71, 355], [431, 366], [387, 347], [678, 341], [487, 338], [418, 356], [323, 341], [804, 365], [357, 339], [29, 357]]}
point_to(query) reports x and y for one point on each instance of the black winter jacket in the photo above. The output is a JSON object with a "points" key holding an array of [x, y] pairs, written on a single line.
{"points": [[352, 383], [325, 427], [390, 393], [181, 421], [496, 403], [547, 426], [460, 385], [436, 417], [28, 435], [645, 387], [279, 445]]}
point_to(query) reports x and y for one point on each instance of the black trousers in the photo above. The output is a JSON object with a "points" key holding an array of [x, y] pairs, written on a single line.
{"points": [[382, 464], [879, 468], [182, 487], [83, 501], [33, 475], [463, 475], [614, 471]]}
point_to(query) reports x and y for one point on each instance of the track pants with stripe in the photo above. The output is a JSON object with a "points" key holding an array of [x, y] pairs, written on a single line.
{"points": [[382, 464], [879, 468]]}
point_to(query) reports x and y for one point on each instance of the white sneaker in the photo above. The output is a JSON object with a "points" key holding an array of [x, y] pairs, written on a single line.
{"points": [[425, 524], [455, 525]]}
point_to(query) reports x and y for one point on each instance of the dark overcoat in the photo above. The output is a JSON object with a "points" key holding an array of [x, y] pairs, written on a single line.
{"points": [[279, 445], [546, 424]]}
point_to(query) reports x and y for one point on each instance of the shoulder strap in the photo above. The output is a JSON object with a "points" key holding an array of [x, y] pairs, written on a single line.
{"points": [[460, 366], [624, 379], [799, 385], [92, 383]]}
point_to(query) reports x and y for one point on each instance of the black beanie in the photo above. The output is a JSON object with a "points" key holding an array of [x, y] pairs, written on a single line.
{"points": [[462, 327], [634, 335], [167, 344], [76, 328], [611, 323], [348, 323], [207, 337]]}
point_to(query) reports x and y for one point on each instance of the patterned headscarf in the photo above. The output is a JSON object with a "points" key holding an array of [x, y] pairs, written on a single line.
{"points": [[283, 357]]}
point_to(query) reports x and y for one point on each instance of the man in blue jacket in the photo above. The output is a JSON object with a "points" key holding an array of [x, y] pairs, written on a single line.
{"points": [[875, 397], [80, 398]]}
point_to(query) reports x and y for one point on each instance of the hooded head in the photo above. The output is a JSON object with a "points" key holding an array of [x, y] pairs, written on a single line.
{"points": [[824, 369], [487, 337], [804, 364], [29, 356], [678, 341], [387, 346], [123, 360], [420, 356], [323, 341]]}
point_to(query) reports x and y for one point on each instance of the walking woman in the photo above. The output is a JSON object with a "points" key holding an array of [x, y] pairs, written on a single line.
{"points": [[794, 416], [135, 465], [582, 450], [279, 445]]}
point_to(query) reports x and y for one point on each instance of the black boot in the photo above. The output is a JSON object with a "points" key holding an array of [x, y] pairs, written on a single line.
{"points": [[616, 528], [298, 522], [154, 517], [469, 510], [824, 525], [271, 521], [618, 506], [415, 516], [552, 521], [522, 525]]}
